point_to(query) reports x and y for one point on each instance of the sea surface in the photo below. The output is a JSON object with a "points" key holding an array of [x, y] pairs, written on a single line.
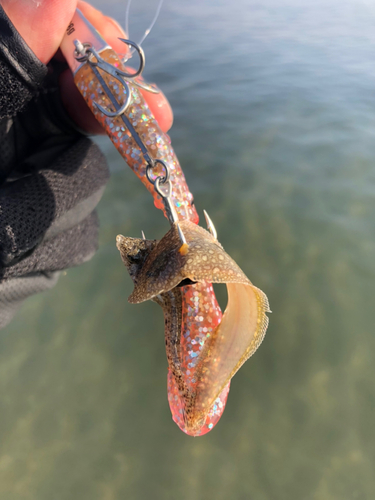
{"points": [[274, 105]]}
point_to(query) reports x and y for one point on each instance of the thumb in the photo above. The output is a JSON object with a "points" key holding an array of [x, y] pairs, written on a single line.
{"points": [[41, 23]]}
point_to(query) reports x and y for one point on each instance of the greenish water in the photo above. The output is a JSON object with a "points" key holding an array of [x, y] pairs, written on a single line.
{"points": [[274, 107]]}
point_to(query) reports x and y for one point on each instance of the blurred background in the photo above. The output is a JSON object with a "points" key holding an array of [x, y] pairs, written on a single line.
{"points": [[274, 104]]}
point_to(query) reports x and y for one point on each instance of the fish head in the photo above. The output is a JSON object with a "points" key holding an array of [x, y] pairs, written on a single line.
{"points": [[134, 253]]}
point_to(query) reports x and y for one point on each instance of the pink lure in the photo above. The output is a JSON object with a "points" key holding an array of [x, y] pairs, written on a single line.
{"points": [[204, 349]]}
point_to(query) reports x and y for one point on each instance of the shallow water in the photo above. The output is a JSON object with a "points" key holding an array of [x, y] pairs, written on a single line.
{"points": [[274, 104]]}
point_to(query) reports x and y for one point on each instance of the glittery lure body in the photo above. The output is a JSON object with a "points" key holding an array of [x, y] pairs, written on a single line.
{"points": [[204, 349], [144, 123]]}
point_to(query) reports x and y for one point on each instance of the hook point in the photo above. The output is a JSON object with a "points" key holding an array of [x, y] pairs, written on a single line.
{"points": [[181, 234], [210, 225]]}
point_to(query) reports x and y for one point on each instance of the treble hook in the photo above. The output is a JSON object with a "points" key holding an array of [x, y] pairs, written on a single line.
{"points": [[83, 51]]}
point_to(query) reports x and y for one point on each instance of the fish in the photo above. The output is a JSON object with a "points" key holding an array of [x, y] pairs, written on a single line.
{"points": [[162, 272], [204, 347]]}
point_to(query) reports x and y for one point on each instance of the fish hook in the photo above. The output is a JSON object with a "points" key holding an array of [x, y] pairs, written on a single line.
{"points": [[85, 52]]}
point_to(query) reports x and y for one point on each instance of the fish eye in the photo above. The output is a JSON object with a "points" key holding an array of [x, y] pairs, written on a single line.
{"points": [[133, 257]]}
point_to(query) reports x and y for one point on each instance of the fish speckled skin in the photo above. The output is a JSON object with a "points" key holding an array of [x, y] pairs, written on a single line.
{"points": [[166, 267]]}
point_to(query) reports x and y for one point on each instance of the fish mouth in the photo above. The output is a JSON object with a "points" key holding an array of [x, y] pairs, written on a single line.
{"points": [[120, 239]]}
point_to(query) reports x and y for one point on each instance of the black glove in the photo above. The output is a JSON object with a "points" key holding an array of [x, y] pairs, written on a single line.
{"points": [[51, 178]]}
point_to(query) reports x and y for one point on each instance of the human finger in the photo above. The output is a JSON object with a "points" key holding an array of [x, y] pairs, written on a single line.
{"points": [[41, 24]]}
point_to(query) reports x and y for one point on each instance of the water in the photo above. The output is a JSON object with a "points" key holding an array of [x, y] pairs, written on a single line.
{"points": [[274, 105]]}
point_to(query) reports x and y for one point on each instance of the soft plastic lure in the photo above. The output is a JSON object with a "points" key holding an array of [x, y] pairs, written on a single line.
{"points": [[204, 349]]}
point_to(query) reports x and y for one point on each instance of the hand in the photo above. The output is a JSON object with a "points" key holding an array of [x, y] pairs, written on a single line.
{"points": [[51, 177]]}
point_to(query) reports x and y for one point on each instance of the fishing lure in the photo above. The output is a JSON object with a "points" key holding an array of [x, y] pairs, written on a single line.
{"points": [[204, 348]]}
